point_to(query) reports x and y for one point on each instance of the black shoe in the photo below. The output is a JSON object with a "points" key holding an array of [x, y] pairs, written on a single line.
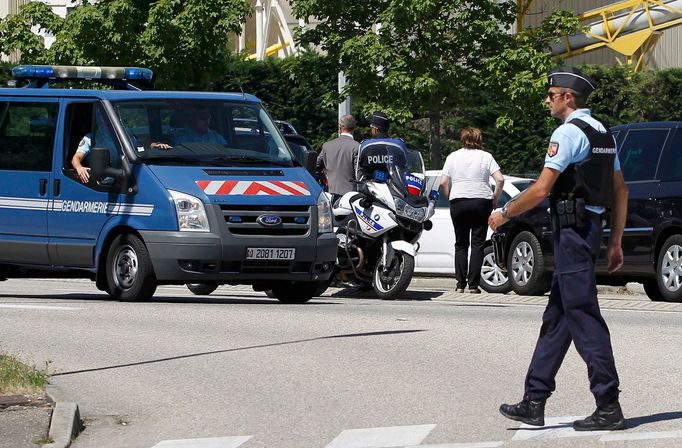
{"points": [[530, 412], [608, 418], [474, 290]]}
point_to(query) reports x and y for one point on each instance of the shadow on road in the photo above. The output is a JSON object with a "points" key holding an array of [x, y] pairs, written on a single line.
{"points": [[354, 293], [214, 352], [653, 418]]}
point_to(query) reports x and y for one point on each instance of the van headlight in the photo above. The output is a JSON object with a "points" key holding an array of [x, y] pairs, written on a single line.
{"points": [[191, 213], [324, 214]]}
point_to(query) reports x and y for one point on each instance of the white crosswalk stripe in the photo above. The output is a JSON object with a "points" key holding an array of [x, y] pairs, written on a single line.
{"points": [[555, 427], [209, 442], [387, 437], [624, 436]]}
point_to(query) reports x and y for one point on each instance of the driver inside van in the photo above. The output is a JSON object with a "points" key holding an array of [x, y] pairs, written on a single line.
{"points": [[198, 129]]}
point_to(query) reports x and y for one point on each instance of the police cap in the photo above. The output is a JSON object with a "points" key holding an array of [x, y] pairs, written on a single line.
{"points": [[571, 78], [380, 121]]}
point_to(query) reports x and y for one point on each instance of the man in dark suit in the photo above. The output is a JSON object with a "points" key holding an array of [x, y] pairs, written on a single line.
{"points": [[338, 159]]}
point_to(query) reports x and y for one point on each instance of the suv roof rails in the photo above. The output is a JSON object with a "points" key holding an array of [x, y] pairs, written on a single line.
{"points": [[41, 76]]}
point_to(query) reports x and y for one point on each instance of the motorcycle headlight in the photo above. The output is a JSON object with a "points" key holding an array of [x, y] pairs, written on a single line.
{"points": [[324, 214], [191, 213], [405, 210]]}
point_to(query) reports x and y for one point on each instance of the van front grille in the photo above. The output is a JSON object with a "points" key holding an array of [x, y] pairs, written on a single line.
{"points": [[243, 220]]}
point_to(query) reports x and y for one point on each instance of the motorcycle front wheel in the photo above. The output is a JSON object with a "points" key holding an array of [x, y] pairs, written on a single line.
{"points": [[391, 284]]}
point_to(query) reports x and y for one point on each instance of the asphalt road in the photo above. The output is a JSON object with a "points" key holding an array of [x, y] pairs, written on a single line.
{"points": [[344, 371]]}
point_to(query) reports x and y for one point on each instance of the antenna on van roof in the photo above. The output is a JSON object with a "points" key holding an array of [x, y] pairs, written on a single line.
{"points": [[242, 90]]}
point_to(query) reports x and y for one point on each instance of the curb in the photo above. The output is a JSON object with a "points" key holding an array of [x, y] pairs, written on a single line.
{"points": [[65, 424]]}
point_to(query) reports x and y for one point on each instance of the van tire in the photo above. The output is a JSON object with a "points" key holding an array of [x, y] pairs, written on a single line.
{"points": [[669, 269], [493, 280], [532, 278], [202, 289], [129, 272], [294, 292]]}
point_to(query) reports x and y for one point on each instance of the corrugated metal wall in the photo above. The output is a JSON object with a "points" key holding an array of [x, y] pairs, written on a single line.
{"points": [[666, 54]]}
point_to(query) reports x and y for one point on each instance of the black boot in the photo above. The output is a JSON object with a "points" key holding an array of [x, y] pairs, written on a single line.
{"points": [[530, 412], [607, 418]]}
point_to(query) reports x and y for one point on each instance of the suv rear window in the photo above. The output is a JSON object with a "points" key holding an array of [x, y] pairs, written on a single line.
{"points": [[640, 152]]}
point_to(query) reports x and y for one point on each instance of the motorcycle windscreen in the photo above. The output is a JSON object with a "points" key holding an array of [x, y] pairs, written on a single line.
{"points": [[408, 181]]}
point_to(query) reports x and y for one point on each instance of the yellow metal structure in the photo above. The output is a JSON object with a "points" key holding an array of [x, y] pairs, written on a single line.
{"points": [[635, 47], [272, 49]]}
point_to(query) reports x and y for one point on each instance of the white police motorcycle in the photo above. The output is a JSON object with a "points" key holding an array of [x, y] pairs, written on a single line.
{"points": [[379, 224]]}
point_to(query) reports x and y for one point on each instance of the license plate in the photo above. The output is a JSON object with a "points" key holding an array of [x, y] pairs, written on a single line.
{"points": [[270, 253]]}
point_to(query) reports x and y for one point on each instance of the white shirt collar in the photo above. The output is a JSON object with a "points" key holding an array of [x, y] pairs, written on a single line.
{"points": [[346, 134]]}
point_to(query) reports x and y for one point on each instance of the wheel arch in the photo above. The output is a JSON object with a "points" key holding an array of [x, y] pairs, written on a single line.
{"points": [[663, 234], [100, 277]]}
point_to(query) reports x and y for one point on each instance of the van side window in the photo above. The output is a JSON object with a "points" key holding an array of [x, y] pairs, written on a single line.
{"points": [[640, 152], [671, 164], [27, 132]]}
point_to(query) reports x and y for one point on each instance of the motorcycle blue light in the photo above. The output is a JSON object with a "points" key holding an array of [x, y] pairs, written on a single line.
{"points": [[434, 195], [380, 176]]}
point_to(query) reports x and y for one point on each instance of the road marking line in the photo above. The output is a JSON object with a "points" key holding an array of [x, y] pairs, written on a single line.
{"points": [[555, 427], [391, 436], [209, 442], [640, 436], [40, 307], [461, 445]]}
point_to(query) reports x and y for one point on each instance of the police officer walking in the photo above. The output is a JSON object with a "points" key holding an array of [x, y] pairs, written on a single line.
{"points": [[582, 177]]}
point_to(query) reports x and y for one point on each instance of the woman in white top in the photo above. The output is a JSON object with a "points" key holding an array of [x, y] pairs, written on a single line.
{"points": [[466, 183]]}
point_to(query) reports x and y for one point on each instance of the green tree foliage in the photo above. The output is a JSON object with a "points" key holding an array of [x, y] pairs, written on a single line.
{"points": [[184, 41], [430, 58], [17, 36], [291, 90]]}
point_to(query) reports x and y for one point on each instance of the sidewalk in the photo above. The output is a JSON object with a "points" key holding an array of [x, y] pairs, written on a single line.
{"points": [[48, 421]]}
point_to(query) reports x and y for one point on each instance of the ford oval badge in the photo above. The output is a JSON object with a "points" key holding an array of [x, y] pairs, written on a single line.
{"points": [[269, 220]]}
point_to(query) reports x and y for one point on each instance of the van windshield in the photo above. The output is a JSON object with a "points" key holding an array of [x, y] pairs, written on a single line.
{"points": [[172, 132]]}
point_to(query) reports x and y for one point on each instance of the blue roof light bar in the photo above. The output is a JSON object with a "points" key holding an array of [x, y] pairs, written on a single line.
{"points": [[75, 72]]}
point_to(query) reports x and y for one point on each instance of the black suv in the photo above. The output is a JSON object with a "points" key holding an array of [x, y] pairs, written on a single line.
{"points": [[650, 155]]}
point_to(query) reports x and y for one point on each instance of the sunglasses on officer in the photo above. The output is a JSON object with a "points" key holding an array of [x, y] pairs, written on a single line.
{"points": [[551, 94]]}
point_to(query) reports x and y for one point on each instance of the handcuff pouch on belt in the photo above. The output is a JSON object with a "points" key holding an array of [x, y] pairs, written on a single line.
{"points": [[568, 211]]}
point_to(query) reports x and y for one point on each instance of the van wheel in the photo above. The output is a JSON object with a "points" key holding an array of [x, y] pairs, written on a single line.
{"points": [[669, 269], [202, 289], [526, 267], [294, 292], [129, 273], [492, 277]]}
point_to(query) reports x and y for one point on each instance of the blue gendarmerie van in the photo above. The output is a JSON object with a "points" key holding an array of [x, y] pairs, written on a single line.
{"points": [[189, 188]]}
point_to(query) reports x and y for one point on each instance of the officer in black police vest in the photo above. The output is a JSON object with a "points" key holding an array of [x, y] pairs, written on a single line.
{"points": [[376, 151], [582, 177]]}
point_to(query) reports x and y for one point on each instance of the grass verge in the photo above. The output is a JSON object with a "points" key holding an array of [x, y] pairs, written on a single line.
{"points": [[18, 378]]}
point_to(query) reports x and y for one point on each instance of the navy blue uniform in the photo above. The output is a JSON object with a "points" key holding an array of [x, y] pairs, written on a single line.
{"points": [[573, 313]]}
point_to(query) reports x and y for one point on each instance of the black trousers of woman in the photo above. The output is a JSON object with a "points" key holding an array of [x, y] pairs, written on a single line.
{"points": [[470, 219]]}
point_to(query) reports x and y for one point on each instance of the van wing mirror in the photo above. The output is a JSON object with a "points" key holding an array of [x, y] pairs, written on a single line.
{"points": [[99, 160], [310, 161]]}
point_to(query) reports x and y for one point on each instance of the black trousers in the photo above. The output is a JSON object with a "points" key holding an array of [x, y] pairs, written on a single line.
{"points": [[470, 220], [573, 314]]}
